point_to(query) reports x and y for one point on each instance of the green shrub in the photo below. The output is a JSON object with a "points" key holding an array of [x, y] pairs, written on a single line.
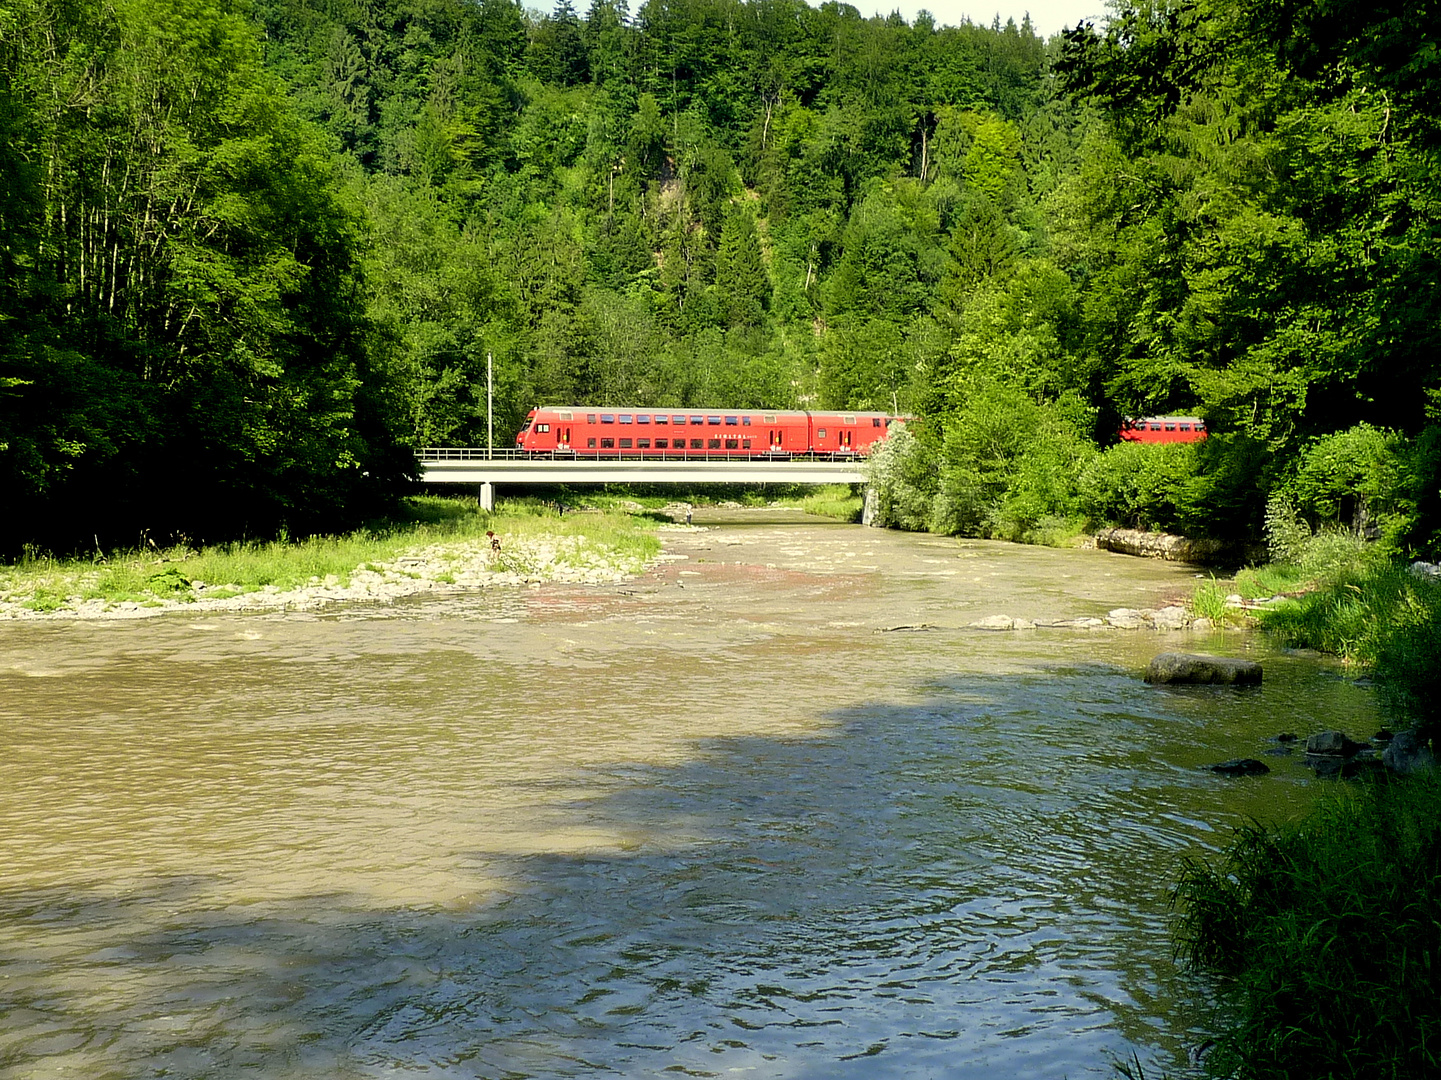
{"points": [[1136, 485], [1415, 529], [1285, 530], [1226, 494], [1349, 478], [1008, 463], [902, 472], [1327, 937]]}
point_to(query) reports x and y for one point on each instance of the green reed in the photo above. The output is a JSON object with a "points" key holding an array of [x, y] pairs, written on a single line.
{"points": [[1326, 936]]}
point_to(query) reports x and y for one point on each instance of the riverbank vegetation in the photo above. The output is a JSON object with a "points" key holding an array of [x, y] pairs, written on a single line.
{"points": [[428, 533], [1326, 934]]}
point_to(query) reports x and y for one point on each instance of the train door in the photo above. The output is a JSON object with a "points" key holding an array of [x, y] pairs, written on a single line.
{"points": [[846, 443], [563, 441]]}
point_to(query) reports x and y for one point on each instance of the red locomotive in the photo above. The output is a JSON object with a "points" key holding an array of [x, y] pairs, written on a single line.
{"points": [[1164, 429], [605, 432]]}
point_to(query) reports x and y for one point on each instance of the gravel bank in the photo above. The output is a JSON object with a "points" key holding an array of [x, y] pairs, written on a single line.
{"points": [[441, 567]]}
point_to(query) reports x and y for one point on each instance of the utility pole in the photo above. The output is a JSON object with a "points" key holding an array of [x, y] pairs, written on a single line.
{"points": [[487, 489]]}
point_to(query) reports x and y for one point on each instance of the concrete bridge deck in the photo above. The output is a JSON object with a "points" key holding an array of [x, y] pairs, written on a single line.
{"points": [[454, 465]]}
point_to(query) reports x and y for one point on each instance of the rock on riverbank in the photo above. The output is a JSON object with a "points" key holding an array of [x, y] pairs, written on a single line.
{"points": [[1170, 617]]}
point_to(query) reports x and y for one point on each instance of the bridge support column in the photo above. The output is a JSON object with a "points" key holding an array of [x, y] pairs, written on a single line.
{"points": [[487, 497], [869, 508]]}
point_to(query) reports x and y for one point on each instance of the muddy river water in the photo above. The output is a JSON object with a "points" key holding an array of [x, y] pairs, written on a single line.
{"points": [[718, 821]]}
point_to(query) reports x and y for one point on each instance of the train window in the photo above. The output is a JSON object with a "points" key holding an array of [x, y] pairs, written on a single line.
{"points": [[541, 427], [677, 419], [1200, 427], [697, 444], [848, 419], [607, 418], [1170, 427], [1185, 427], [732, 421], [563, 415], [627, 418], [590, 444], [661, 418], [745, 421], [745, 444], [1155, 427], [820, 433], [712, 444], [713, 420], [590, 418], [642, 418], [625, 444], [662, 444], [642, 444], [607, 444], [732, 444], [875, 421], [768, 418], [697, 421]]}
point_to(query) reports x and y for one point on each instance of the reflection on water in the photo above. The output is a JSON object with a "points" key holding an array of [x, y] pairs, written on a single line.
{"points": [[707, 822]]}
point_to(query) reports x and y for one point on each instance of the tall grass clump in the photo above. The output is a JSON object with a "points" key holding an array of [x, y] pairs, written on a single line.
{"points": [[1208, 601], [1383, 618], [1326, 936]]}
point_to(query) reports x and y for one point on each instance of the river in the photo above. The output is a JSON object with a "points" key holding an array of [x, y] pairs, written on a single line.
{"points": [[718, 821]]}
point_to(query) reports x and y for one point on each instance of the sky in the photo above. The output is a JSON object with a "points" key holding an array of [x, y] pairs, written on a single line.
{"points": [[1047, 16]]}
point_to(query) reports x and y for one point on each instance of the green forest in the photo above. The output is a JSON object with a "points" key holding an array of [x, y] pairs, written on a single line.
{"points": [[253, 254]]}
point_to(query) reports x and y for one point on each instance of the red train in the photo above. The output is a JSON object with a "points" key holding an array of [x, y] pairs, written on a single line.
{"points": [[1164, 429], [586, 431]]}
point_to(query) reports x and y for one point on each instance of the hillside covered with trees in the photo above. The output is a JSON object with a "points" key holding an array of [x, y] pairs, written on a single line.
{"points": [[250, 255]]}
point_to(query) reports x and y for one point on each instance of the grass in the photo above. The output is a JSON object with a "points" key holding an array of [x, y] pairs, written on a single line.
{"points": [[1326, 936], [1273, 579], [837, 501], [1208, 601], [1058, 532], [44, 583], [1382, 618]]}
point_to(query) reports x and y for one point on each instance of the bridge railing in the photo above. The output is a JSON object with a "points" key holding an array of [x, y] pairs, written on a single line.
{"points": [[429, 454]]}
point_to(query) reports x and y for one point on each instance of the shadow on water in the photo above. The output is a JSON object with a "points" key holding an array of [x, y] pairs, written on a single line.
{"points": [[973, 883]]}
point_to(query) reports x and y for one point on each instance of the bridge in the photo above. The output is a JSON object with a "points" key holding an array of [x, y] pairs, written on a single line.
{"points": [[456, 465]]}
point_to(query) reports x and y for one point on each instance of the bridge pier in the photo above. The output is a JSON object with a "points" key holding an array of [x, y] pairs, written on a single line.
{"points": [[487, 497]]}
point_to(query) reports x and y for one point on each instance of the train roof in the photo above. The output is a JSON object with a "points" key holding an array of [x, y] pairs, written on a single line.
{"points": [[688, 409]]}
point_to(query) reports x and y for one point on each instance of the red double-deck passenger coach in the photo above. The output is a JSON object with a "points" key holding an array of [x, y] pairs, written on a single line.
{"points": [[699, 433], [1164, 429]]}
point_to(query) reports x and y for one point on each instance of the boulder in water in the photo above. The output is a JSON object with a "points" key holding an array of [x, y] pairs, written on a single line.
{"points": [[1332, 744], [1407, 752], [1240, 767], [995, 622], [1171, 617], [1185, 668]]}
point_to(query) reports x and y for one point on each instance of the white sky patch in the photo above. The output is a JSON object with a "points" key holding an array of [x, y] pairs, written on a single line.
{"points": [[1047, 16]]}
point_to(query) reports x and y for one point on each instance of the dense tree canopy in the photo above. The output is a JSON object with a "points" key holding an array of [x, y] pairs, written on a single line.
{"points": [[250, 255]]}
